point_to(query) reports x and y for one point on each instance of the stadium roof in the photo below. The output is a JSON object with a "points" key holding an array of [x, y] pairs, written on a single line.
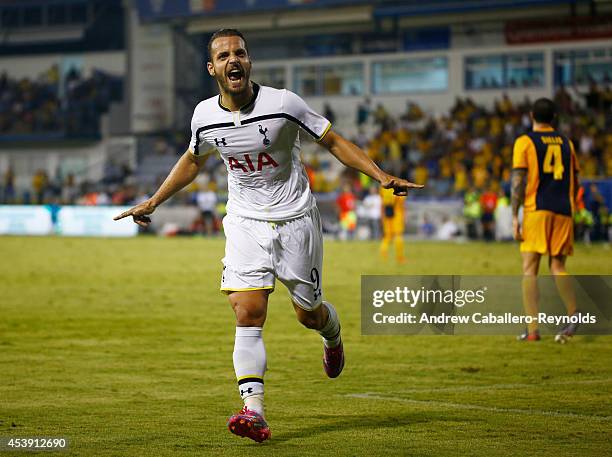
{"points": [[155, 10]]}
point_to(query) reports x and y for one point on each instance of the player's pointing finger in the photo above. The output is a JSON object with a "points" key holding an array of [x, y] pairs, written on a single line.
{"points": [[410, 185], [122, 215]]}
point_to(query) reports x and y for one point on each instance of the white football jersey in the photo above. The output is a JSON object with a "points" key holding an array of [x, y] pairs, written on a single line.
{"points": [[260, 146]]}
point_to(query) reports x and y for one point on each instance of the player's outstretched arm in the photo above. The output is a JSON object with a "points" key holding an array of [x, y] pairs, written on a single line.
{"points": [[183, 173], [519, 184], [353, 156]]}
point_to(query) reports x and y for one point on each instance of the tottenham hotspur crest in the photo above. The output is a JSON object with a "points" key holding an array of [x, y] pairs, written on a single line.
{"points": [[266, 141]]}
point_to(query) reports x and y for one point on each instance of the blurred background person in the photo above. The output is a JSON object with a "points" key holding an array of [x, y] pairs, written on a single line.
{"points": [[448, 230], [372, 204], [347, 217], [393, 222], [206, 199]]}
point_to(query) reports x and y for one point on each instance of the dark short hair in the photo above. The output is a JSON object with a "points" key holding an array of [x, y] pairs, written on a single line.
{"points": [[544, 110], [224, 33]]}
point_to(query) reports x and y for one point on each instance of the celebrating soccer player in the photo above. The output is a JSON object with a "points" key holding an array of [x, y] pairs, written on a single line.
{"points": [[272, 227], [545, 182]]}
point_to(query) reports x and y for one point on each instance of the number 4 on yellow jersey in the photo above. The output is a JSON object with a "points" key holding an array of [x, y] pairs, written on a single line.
{"points": [[553, 162]]}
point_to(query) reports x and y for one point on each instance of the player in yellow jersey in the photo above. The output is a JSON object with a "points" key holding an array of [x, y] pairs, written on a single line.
{"points": [[544, 182], [393, 224]]}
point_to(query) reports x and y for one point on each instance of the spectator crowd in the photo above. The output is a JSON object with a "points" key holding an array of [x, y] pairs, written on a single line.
{"points": [[64, 107], [465, 153]]}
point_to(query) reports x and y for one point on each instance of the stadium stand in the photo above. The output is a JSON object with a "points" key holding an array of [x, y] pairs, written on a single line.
{"points": [[430, 99], [42, 110]]}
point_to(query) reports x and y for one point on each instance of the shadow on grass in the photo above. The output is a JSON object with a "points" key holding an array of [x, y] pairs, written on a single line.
{"points": [[342, 423]]}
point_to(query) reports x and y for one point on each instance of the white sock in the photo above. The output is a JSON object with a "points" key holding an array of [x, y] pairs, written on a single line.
{"points": [[331, 330], [255, 403], [250, 366]]}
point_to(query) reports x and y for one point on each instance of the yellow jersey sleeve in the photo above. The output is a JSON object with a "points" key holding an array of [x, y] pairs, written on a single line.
{"points": [[519, 154]]}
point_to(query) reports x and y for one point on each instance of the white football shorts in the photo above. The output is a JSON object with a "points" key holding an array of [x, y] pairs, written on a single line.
{"points": [[257, 252]]}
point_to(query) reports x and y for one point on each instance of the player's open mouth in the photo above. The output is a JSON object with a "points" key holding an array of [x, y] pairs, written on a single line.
{"points": [[235, 75]]}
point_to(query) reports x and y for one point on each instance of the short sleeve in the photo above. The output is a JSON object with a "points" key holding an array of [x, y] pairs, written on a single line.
{"points": [[519, 154], [310, 121], [198, 145]]}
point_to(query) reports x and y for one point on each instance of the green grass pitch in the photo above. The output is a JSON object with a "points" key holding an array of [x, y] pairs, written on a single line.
{"points": [[124, 347]]}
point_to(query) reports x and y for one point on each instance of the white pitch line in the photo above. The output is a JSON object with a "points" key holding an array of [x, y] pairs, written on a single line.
{"points": [[492, 409], [501, 386]]}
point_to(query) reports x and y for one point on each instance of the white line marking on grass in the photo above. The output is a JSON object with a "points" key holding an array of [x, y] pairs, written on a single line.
{"points": [[502, 386], [492, 409]]}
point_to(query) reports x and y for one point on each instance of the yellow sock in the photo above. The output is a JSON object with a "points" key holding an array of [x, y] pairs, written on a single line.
{"points": [[384, 246], [399, 248], [565, 287], [530, 300]]}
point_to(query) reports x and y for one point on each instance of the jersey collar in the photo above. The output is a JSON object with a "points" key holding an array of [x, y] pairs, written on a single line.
{"points": [[245, 107], [548, 128]]}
